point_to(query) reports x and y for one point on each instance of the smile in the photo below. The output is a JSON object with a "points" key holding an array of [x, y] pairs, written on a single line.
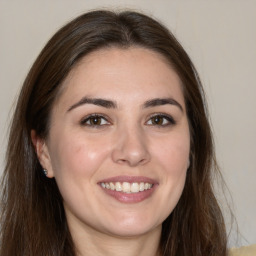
{"points": [[127, 187]]}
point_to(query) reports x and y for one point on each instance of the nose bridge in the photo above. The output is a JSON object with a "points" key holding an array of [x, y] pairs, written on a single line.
{"points": [[131, 146]]}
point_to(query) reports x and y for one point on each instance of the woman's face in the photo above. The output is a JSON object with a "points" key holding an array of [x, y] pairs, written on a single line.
{"points": [[119, 142]]}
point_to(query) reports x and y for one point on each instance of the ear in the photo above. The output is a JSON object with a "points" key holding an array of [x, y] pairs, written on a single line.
{"points": [[188, 163], [42, 152]]}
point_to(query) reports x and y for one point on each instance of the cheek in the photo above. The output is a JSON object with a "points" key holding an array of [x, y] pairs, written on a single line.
{"points": [[77, 156], [173, 154]]}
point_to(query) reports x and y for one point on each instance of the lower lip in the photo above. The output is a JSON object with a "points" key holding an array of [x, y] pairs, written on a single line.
{"points": [[130, 197]]}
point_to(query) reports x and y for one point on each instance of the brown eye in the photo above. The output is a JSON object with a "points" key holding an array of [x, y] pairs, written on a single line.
{"points": [[157, 120], [94, 120], [161, 120]]}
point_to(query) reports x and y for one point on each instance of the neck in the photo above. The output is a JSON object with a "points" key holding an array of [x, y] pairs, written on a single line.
{"points": [[95, 243]]}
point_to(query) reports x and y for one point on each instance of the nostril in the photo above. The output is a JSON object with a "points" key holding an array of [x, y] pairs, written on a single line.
{"points": [[132, 161]]}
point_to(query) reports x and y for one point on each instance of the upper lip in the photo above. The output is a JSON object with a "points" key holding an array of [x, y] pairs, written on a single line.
{"points": [[129, 179]]}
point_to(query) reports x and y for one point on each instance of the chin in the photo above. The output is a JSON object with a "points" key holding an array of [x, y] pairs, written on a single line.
{"points": [[132, 228]]}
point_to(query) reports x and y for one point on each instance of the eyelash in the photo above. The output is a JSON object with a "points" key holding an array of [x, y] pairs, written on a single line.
{"points": [[166, 119], [95, 116]]}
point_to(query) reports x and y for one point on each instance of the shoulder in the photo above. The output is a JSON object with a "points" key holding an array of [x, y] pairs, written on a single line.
{"points": [[244, 251]]}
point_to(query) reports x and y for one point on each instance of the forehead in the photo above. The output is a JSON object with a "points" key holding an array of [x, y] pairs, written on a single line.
{"points": [[115, 71]]}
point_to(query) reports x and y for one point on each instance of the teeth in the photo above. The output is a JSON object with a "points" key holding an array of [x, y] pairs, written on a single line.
{"points": [[127, 187], [142, 186], [135, 188], [112, 186], [118, 186], [146, 186]]}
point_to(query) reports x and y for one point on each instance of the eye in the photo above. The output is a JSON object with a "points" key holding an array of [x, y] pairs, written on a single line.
{"points": [[161, 120], [95, 120]]}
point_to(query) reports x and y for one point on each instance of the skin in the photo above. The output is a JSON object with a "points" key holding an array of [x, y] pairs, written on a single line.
{"points": [[129, 140]]}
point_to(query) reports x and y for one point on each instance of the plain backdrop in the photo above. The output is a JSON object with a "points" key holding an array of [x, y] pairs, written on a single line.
{"points": [[220, 37]]}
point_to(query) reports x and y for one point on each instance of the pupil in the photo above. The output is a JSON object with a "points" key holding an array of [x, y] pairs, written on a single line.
{"points": [[158, 120], [95, 120]]}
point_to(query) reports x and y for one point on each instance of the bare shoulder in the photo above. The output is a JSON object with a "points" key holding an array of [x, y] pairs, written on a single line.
{"points": [[244, 251]]}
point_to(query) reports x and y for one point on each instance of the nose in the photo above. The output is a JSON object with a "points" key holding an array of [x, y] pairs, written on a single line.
{"points": [[131, 148]]}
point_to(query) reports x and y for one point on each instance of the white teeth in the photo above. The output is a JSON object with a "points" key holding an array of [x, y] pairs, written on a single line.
{"points": [[135, 188], [112, 186], [118, 186], [142, 186], [127, 187], [146, 186]]}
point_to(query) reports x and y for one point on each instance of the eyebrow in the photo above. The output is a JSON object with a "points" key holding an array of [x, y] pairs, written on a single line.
{"points": [[98, 102], [162, 101], [111, 104]]}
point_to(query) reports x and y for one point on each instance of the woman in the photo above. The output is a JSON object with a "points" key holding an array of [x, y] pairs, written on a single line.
{"points": [[110, 149]]}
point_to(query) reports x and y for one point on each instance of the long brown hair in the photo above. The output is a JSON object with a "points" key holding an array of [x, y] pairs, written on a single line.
{"points": [[33, 220]]}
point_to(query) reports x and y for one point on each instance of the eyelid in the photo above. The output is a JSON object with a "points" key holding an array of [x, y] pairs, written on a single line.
{"points": [[97, 115], [168, 117]]}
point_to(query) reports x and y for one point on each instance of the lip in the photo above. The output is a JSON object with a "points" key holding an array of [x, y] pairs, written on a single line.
{"points": [[132, 197]]}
